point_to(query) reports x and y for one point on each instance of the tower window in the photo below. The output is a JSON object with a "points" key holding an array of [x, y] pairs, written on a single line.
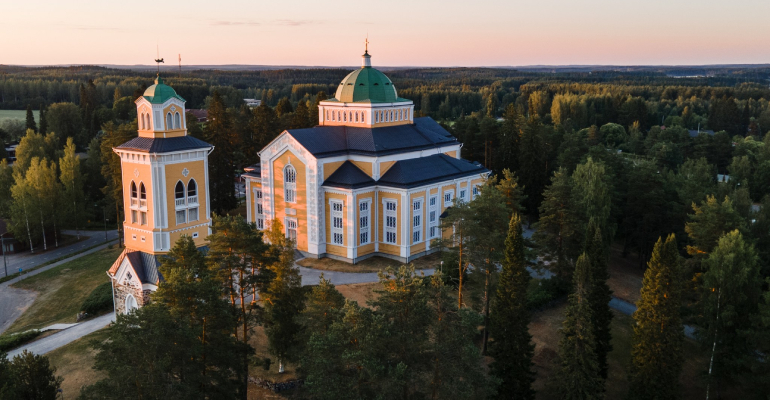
{"points": [[290, 184], [192, 192], [142, 192], [364, 215], [169, 122], [179, 194], [192, 214], [134, 200], [181, 217], [177, 121], [141, 121], [390, 222]]}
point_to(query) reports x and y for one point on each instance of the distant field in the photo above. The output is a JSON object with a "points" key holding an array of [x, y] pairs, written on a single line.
{"points": [[18, 114]]}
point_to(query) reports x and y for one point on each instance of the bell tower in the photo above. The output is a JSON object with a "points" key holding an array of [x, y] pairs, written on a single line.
{"points": [[165, 176]]}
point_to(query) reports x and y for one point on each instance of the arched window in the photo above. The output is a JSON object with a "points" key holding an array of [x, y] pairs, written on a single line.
{"points": [[345, 117], [376, 117], [290, 184], [390, 118], [362, 117], [133, 190], [192, 188], [130, 304], [179, 191], [141, 121], [356, 116], [147, 117], [338, 116], [177, 121], [142, 192]]}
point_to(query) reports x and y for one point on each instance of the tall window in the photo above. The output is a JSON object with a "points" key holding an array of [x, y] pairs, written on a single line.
{"points": [[177, 121], [337, 228], [433, 217], [364, 218], [192, 192], [390, 221], [416, 220], [192, 214], [169, 122], [259, 216], [291, 229], [475, 192], [179, 194], [181, 217], [448, 198], [290, 184], [462, 195]]}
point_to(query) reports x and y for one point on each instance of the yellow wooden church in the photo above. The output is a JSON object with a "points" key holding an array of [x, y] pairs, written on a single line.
{"points": [[370, 179]]}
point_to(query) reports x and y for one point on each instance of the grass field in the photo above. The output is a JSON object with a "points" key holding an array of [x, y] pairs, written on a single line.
{"points": [[62, 290], [74, 363], [18, 114]]}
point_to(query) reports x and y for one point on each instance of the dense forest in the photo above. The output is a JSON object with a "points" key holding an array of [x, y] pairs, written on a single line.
{"points": [[671, 172]]}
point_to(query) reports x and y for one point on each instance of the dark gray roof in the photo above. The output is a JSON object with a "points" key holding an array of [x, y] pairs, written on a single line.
{"points": [[146, 266], [327, 141], [164, 145], [427, 170], [348, 176]]}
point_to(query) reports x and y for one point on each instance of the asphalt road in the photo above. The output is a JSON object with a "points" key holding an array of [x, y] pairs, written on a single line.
{"points": [[29, 260], [13, 302], [59, 339]]}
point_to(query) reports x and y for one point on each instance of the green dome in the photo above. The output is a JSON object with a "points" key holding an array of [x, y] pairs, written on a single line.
{"points": [[159, 92], [366, 85]]}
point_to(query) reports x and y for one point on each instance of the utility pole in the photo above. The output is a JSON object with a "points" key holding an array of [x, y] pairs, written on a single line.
{"points": [[5, 261], [104, 210]]}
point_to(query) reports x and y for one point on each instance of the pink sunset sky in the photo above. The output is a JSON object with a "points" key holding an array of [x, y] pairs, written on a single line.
{"points": [[401, 33]]}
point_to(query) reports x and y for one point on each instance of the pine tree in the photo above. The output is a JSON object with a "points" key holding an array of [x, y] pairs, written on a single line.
{"points": [[533, 162], [284, 107], [557, 233], [43, 122], [301, 116], [579, 377], [28, 376], [512, 348], [510, 133], [31, 119], [658, 333], [115, 135], [600, 295], [220, 133]]}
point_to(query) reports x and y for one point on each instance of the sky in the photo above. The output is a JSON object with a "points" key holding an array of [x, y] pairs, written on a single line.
{"points": [[401, 32]]}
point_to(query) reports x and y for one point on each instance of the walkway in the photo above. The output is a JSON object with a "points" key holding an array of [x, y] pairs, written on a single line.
{"points": [[69, 335], [28, 260], [13, 301]]}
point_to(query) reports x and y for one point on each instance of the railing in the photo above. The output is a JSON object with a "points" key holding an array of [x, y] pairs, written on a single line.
{"points": [[143, 203], [192, 199], [179, 202], [134, 202]]}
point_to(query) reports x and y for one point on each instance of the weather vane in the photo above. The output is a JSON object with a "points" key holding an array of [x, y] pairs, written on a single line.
{"points": [[160, 60]]}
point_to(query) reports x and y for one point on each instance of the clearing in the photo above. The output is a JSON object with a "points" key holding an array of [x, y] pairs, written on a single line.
{"points": [[74, 363], [62, 290], [373, 264]]}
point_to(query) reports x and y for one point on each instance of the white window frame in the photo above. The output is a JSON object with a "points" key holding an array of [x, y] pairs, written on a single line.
{"points": [[291, 224], [190, 212], [463, 193], [475, 192], [433, 217], [417, 217], [364, 221], [390, 234], [451, 194], [183, 220], [289, 184], [259, 216], [337, 232]]}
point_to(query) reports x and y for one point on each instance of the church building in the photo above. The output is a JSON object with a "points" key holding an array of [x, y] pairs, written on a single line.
{"points": [[370, 179], [165, 194]]}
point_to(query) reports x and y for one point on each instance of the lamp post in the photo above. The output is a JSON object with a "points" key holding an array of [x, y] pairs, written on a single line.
{"points": [[104, 211]]}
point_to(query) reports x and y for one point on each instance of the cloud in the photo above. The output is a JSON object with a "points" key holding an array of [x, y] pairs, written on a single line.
{"points": [[91, 27], [295, 22]]}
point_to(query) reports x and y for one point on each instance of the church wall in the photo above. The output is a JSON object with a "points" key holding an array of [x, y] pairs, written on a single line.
{"points": [[385, 166], [336, 250], [384, 247], [196, 170], [138, 173], [364, 166], [297, 210], [330, 167], [252, 209], [451, 153], [122, 291]]}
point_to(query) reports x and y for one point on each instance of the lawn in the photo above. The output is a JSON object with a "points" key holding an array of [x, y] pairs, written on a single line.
{"points": [[74, 362], [18, 114], [373, 264], [62, 290]]}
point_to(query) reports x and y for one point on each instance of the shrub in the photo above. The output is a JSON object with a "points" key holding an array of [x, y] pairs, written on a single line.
{"points": [[99, 301], [9, 342], [545, 292]]}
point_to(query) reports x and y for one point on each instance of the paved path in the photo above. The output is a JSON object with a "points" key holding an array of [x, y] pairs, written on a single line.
{"points": [[629, 308], [13, 301], [312, 276], [29, 260], [59, 339]]}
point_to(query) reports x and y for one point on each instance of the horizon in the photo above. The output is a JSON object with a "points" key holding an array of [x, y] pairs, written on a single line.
{"points": [[427, 34]]}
